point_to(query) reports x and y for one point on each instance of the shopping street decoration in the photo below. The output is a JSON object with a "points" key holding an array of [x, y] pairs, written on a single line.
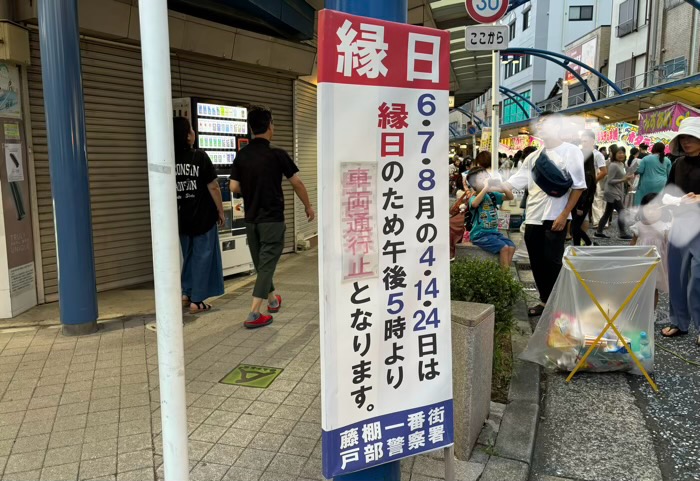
{"points": [[627, 135], [520, 142], [665, 118]]}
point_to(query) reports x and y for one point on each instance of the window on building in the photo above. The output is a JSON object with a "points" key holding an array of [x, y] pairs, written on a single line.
{"points": [[673, 3], [517, 65], [513, 113], [526, 19], [674, 68], [624, 75], [577, 95], [581, 13], [627, 21], [511, 28]]}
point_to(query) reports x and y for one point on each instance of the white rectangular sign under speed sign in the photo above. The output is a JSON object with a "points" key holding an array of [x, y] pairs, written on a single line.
{"points": [[486, 37]]}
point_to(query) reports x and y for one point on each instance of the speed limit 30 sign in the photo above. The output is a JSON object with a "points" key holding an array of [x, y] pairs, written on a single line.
{"points": [[487, 11]]}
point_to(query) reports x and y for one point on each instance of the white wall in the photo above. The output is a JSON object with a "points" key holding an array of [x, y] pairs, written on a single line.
{"points": [[602, 15], [631, 45]]}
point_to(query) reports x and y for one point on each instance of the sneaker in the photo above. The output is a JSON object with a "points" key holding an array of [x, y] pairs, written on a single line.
{"points": [[275, 308], [600, 235], [625, 237], [256, 321]]}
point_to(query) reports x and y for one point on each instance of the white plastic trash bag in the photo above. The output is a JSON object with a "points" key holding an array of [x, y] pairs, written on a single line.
{"points": [[617, 279]]}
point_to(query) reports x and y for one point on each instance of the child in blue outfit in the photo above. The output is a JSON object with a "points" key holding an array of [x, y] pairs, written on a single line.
{"points": [[484, 207]]}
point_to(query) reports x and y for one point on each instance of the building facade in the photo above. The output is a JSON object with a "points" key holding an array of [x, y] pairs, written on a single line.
{"points": [[549, 25], [652, 42], [209, 60]]}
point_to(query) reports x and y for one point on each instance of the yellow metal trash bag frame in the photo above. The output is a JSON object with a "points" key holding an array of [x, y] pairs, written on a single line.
{"points": [[610, 321]]}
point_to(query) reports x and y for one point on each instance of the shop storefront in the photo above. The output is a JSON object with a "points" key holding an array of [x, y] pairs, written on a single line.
{"points": [[511, 145], [658, 124], [627, 135], [116, 139]]}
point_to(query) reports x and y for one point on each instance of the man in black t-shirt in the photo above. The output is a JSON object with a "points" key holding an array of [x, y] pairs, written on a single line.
{"points": [[257, 175]]}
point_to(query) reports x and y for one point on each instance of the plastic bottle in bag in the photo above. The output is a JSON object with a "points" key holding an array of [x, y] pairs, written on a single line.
{"points": [[644, 346]]}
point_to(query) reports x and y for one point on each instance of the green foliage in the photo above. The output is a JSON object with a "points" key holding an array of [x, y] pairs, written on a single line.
{"points": [[486, 282]]}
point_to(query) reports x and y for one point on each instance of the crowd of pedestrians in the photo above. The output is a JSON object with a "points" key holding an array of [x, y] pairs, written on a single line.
{"points": [[656, 195]]}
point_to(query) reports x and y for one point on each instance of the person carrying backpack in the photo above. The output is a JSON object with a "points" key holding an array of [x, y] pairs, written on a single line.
{"points": [[555, 179]]}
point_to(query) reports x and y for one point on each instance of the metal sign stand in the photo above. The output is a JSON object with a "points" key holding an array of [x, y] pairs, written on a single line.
{"points": [[495, 110]]}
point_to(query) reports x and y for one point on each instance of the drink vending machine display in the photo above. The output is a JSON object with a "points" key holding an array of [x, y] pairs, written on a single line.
{"points": [[222, 130]]}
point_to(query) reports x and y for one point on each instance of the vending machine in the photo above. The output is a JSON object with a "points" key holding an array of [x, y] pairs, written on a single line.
{"points": [[222, 131]]}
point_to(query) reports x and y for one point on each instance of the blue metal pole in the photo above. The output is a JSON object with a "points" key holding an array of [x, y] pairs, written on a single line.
{"points": [[469, 114], [516, 3], [521, 97], [533, 51], [393, 11], [65, 125], [566, 67]]}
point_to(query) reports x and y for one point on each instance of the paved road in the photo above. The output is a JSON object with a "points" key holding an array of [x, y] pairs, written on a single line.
{"points": [[604, 427]]}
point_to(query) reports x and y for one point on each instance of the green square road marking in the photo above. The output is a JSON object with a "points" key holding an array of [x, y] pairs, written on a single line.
{"points": [[252, 376]]}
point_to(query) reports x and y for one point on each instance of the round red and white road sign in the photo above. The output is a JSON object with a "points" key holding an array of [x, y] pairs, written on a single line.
{"points": [[487, 11]]}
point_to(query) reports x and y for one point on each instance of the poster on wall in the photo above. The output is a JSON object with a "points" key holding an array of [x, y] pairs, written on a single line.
{"points": [[384, 257], [585, 53], [10, 102], [13, 163], [16, 223]]}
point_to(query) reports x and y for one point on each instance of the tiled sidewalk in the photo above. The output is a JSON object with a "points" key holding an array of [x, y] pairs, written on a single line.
{"points": [[88, 408]]}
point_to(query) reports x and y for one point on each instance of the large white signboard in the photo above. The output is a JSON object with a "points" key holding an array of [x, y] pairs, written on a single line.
{"points": [[384, 261]]}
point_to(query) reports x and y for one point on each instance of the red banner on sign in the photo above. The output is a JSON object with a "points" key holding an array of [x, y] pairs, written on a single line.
{"points": [[366, 51]]}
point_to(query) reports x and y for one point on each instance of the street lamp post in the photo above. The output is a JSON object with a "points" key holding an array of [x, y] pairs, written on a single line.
{"points": [[157, 94]]}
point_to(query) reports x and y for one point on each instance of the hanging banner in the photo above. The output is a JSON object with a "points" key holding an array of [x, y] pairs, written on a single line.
{"points": [[627, 135], [383, 99], [521, 142], [666, 118], [486, 135]]}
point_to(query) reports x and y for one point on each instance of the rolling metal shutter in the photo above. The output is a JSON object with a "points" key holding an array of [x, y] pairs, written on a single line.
{"points": [[197, 77], [305, 154], [116, 144]]}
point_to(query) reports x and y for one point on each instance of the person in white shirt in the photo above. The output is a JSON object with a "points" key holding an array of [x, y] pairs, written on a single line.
{"points": [[547, 217]]}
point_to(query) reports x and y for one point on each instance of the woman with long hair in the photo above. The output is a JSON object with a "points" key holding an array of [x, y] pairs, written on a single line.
{"points": [[653, 172], [200, 212], [634, 155], [614, 195]]}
